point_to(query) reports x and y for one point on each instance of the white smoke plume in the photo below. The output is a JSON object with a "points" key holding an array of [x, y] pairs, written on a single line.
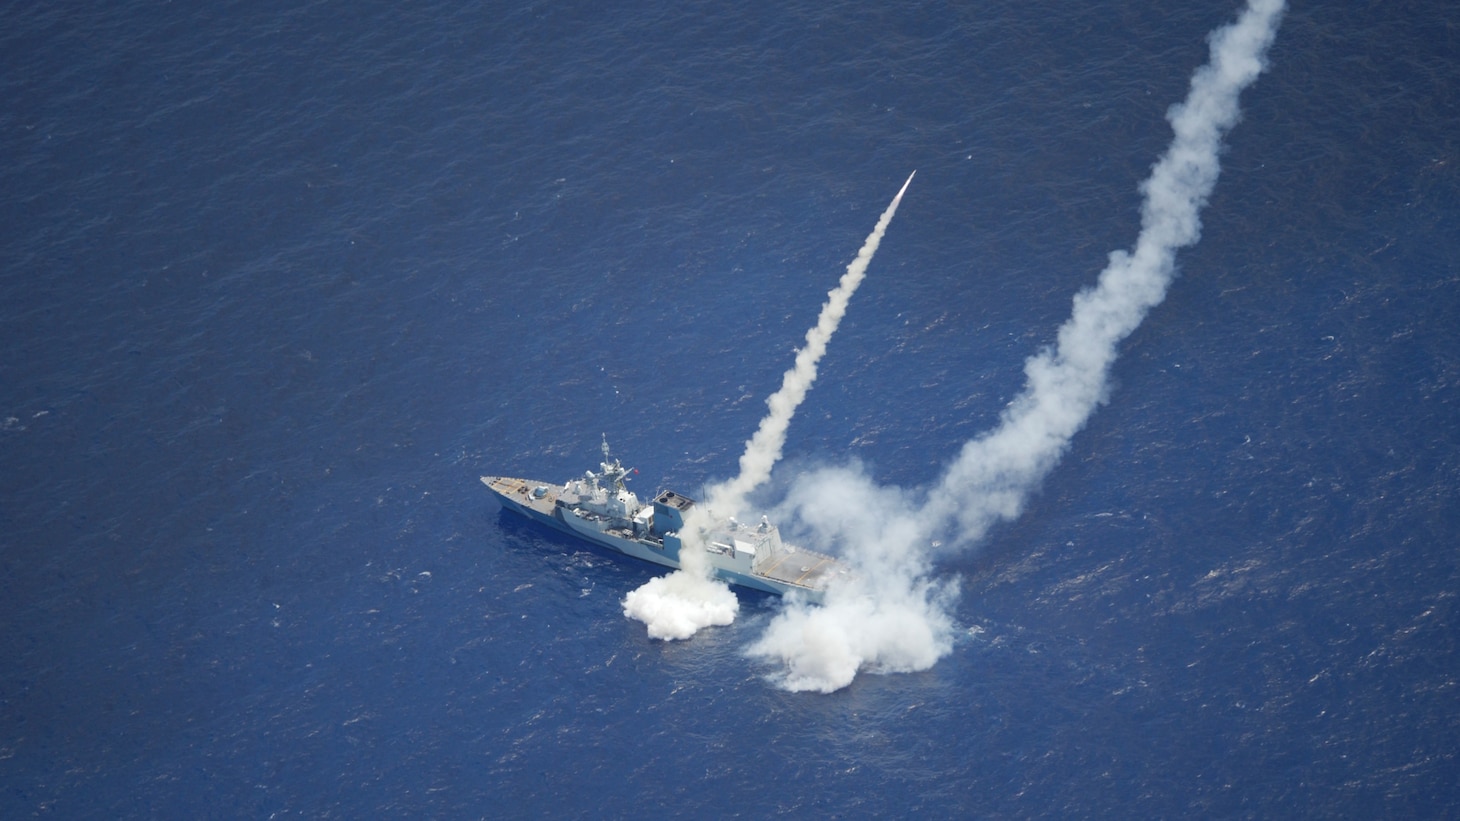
{"points": [[895, 618], [890, 615], [764, 448], [677, 605]]}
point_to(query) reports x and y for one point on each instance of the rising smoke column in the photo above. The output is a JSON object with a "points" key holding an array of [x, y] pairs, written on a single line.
{"points": [[677, 605], [764, 448], [993, 475], [898, 619]]}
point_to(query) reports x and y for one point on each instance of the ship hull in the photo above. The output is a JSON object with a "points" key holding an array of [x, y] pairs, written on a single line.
{"points": [[537, 516]]}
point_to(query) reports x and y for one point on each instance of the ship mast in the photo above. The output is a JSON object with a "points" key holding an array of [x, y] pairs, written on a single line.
{"points": [[613, 470]]}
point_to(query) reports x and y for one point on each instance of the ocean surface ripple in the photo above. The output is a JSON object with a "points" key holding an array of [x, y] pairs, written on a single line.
{"points": [[281, 280]]}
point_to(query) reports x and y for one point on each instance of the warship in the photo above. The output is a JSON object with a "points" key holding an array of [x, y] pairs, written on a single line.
{"points": [[600, 508]]}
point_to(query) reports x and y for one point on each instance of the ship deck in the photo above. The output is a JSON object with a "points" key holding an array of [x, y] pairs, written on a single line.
{"points": [[520, 491], [802, 567]]}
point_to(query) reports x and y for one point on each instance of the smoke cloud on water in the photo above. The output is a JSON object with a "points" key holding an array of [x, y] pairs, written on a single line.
{"points": [[892, 615], [679, 604]]}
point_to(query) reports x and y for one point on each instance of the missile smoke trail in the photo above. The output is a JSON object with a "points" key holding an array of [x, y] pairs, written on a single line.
{"points": [[764, 448], [678, 604], [994, 473], [893, 618]]}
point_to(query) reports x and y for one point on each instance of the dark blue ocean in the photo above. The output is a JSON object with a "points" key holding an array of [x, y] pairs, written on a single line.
{"points": [[279, 281]]}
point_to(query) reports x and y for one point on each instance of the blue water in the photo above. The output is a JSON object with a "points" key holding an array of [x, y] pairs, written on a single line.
{"points": [[280, 281]]}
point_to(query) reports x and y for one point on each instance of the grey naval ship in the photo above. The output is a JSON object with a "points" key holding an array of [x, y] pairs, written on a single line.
{"points": [[600, 508]]}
